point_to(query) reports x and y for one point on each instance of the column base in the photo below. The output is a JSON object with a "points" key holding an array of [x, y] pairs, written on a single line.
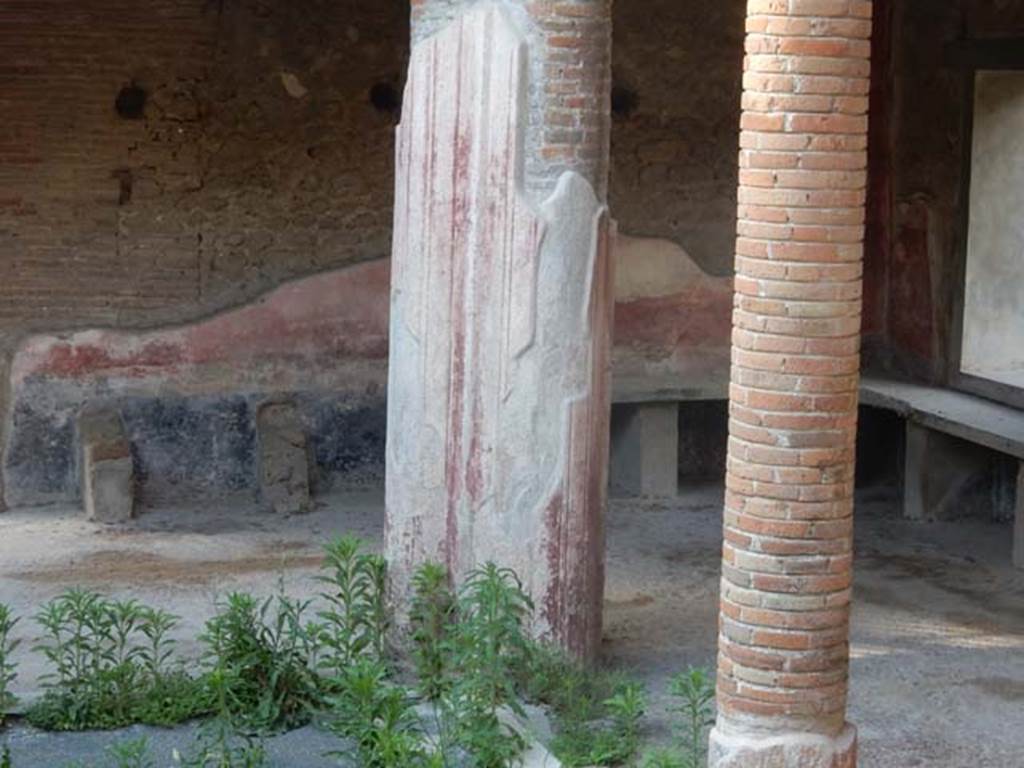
{"points": [[790, 750]]}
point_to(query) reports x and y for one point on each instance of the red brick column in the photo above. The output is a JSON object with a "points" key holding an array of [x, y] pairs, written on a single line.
{"points": [[787, 554]]}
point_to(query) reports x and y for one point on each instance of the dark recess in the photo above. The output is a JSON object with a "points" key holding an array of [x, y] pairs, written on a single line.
{"points": [[131, 102], [623, 101], [385, 98]]}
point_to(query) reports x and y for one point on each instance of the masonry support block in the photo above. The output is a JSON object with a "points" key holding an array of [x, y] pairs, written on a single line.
{"points": [[502, 294], [787, 553], [1018, 520], [915, 475], [645, 450], [936, 469], [108, 473]]}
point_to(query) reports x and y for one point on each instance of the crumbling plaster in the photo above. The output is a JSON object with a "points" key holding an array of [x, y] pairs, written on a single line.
{"points": [[259, 156]]}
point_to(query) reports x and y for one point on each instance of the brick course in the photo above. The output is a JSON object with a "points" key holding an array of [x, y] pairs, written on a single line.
{"points": [[786, 573], [227, 183]]}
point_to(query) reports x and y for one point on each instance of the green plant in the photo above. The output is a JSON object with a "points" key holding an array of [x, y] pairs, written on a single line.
{"points": [[258, 662], [695, 691], [8, 669], [355, 619], [662, 758], [490, 640], [486, 647], [174, 697], [605, 732], [378, 716], [478, 730], [132, 753], [106, 671], [156, 626], [574, 693], [626, 709], [5, 757], [73, 645], [597, 713], [431, 619], [220, 745]]}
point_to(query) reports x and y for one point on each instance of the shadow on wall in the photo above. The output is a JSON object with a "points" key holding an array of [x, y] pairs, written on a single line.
{"points": [[189, 396]]}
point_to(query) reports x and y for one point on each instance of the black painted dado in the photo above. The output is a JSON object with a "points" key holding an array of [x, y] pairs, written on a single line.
{"points": [[187, 448]]}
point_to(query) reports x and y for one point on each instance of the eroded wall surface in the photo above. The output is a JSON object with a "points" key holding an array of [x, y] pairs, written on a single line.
{"points": [[263, 152], [259, 156], [678, 69], [189, 395], [256, 155], [672, 322]]}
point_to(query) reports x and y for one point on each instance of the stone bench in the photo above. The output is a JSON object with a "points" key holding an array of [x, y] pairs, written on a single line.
{"points": [[933, 460], [645, 439], [108, 473]]}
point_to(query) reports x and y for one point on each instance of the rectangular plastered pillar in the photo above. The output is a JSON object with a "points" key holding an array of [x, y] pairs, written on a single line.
{"points": [[501, 305]]}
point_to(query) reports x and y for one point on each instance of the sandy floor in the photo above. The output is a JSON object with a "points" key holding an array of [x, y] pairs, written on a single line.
{"points": [[938, 637]]}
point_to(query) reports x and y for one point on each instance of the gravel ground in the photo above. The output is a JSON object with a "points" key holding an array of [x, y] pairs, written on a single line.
{"points": [[938, 623]]}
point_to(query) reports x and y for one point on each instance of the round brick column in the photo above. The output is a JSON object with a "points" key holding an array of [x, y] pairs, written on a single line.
{"points": [[787, 554]]}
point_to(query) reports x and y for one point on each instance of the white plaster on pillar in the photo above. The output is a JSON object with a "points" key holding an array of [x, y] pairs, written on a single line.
{"points": [[499, 389]]}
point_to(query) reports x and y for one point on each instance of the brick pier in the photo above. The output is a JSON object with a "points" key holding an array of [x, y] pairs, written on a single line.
{"points": [[787, 554]]}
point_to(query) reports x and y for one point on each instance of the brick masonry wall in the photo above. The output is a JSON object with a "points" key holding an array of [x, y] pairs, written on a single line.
{"points": [[258, 157], [787, 555], [229, 183], [678, 69]]}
